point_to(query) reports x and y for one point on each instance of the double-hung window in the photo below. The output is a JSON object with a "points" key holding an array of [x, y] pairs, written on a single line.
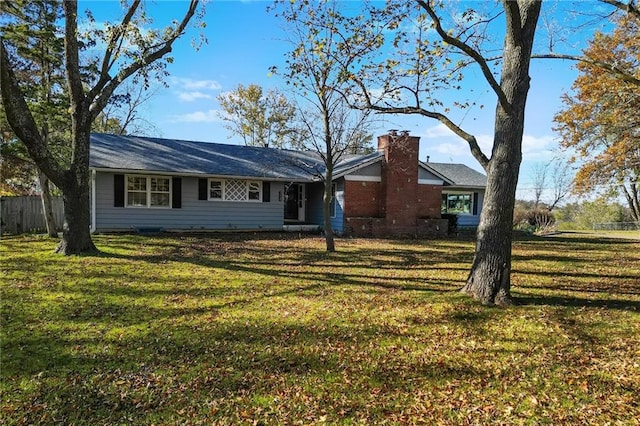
{"points": [[148, 191], [235, 190]]}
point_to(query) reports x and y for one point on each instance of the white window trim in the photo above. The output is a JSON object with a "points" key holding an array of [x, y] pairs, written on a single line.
{"points": [[461, 193], [224, 195], [148, 191], [221, 190]]}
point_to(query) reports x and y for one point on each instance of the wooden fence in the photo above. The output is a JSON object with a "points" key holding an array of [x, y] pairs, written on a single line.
{"points": [[24, 214]]}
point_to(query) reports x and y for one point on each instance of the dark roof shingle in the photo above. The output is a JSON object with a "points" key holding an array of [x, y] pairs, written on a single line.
{"points": [[171, 156], [458, 174], [188, 157]]}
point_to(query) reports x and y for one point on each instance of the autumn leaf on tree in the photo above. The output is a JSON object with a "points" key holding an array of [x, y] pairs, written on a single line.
{"points": [[600, 121]]}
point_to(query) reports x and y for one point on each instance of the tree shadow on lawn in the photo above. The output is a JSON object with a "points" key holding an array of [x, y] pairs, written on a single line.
{"points": [[572, 238], [577, 302], [339, 266], [171, 365]]}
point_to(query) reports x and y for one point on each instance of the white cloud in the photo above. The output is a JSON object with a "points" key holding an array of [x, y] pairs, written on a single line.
{"points": [[438, 131], [190, 84], [537, 144], [209, 116], [193, 96], [448, 143], [453, 148]]}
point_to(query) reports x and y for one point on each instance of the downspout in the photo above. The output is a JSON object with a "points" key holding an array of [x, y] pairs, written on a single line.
{"points": [[93, 202]]}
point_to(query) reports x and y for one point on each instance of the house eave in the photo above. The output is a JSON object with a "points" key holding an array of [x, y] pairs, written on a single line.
{"points": [[462, 187], [435, 172], [201, 175], [358, 167]]}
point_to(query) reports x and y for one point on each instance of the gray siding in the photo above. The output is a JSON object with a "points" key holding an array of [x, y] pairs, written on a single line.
{"points": [[194, 215], [371, 170], [314, 206], [426, 174]]}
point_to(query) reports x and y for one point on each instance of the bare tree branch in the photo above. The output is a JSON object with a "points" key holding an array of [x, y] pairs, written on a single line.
{"points": [[628, 7], [115, 39], [100, 99], [475, 55], [469, 138], [609, 67]]}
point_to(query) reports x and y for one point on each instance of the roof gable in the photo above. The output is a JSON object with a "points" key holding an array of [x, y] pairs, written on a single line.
{"points": [[457, 174]]}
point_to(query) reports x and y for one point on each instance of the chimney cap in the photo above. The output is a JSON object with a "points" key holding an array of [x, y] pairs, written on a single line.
{"points": [[404, 133], [393, 132]]}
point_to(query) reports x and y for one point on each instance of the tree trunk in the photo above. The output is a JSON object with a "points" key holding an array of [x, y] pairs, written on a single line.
{"points": [[76, 232], [47, 205], [489, 280], [76, 194], [326, 211], [633, 200]]}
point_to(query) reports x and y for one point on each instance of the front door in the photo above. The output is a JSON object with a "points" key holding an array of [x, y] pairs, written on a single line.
{"points": [[294, 202]]}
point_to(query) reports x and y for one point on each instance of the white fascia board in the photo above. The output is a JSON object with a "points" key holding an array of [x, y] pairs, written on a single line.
{"points": [[359, 178], [430, 182], [463, 188]]}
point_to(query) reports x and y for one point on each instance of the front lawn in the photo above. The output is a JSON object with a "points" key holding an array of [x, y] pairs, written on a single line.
{"points": [[268, 329]]}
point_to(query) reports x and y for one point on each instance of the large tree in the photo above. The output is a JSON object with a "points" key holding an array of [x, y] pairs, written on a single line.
{"points": [[424, 50], [130, 49], [315, 71], [30, 34], [260, 118], [427, 50], [600, 121]]}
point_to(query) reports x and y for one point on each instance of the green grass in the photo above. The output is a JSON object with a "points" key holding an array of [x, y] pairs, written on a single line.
{"points": [[629, 235], [268, 329]]}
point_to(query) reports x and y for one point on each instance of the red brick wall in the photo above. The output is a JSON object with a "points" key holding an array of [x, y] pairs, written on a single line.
{"points": [[397, 205], [429, 199], [361, 199], [400, 178], [378, 227]]}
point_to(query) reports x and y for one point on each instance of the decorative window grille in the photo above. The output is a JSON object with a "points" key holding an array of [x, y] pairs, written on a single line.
{"points": [[235, 190]]}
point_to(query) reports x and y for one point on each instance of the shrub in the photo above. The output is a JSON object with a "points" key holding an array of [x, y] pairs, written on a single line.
{"points": [[538, 221], [452, 227]]}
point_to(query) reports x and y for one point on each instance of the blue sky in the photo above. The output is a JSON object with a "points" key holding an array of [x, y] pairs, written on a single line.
{"points": [[244, 40]]}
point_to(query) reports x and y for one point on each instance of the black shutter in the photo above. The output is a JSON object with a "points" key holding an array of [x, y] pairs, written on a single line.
{"points": [[475, 203], [266, 192], [202, 189], [118, 190], [176, 201]]}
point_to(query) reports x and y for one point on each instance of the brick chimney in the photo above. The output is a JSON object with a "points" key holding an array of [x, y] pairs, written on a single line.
{"points": [[399, 180]]}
